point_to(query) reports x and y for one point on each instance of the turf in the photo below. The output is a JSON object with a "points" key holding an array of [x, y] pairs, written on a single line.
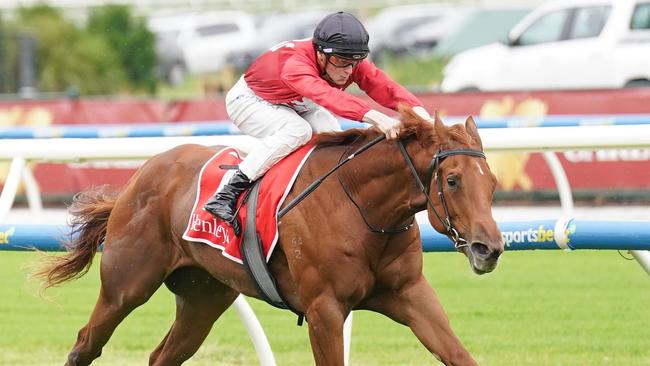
{"points": [[538, 308]]}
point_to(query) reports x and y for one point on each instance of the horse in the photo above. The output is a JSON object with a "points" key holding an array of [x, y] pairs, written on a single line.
{"points": [[350, 244]]}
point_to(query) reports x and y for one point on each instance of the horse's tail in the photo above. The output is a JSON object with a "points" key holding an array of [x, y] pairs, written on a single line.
{"points": [[89, 213]]}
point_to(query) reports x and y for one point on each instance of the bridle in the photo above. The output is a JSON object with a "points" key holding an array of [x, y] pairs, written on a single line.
{"points": [[459, 242]]}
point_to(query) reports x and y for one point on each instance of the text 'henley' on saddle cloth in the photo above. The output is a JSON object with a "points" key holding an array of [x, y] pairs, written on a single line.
{"points": [[276, 184]]}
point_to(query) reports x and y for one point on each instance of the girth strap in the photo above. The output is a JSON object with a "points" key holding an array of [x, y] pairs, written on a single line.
{"points": [[254, 261]]}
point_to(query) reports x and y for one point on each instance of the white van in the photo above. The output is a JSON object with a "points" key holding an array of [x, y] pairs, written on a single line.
{"points": [[214, 36], [567, 44], [199, 42]]}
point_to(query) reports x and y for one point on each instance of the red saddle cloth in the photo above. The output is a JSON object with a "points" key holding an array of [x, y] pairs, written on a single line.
{"points": [[205, 228]]}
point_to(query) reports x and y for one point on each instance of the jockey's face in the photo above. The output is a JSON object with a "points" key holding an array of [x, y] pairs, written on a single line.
{"points": [[337, 70]]}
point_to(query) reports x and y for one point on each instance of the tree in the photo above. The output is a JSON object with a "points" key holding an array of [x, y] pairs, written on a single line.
{"points": [[113, 53], [67, 57], [131, 40]]}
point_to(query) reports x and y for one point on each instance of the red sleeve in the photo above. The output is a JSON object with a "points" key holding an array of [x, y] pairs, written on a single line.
{"points": [[303, 78], [382, 88]]}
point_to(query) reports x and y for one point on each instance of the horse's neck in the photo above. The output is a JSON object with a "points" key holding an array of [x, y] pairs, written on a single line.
{"points": [[382, 184]]}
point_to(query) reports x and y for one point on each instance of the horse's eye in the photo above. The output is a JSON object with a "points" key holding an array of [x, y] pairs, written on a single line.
{"points": [[452, 181]]}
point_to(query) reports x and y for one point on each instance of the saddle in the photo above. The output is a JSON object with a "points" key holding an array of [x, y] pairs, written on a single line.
{"points": [[257, 211]]}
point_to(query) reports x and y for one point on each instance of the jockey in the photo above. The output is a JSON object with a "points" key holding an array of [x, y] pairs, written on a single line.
{"points": [[290, 93]]}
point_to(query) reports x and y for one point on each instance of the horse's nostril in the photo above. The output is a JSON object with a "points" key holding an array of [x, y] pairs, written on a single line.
{"points": [[480, 249]]}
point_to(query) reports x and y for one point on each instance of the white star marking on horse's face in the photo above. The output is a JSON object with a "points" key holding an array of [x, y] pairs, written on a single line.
{"points": [[479, 168]]}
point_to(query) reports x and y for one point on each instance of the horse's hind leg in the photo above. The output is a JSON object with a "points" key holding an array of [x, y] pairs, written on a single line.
{"points": [[128, 280], [200, 300]]}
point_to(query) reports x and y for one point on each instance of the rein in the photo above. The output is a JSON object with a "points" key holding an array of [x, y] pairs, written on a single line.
{"points": [[320, 180], [459, 242]]}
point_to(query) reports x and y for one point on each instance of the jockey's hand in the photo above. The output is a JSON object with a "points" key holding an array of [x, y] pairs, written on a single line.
{"points": [[420, 111], [388, 125]]}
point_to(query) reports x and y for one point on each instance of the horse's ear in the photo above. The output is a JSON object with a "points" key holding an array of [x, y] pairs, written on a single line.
{"points": [[441, 130], [472, 131]]}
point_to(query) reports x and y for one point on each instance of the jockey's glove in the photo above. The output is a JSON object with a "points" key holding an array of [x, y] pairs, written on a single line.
{"points": [[388, 125], [420, 111]]}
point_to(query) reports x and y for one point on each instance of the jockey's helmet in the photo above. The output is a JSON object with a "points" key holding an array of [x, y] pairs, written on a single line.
{"points": [[342, 34]]}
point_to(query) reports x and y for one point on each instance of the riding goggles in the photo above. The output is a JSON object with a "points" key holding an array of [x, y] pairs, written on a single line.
{"points": [[342, 62]]}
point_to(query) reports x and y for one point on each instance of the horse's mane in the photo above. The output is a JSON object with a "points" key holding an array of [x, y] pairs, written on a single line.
{"points": [[344, 137], [413, 127]]}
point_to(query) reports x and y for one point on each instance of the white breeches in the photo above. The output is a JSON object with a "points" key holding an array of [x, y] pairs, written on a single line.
{"points": [[280, 128]]}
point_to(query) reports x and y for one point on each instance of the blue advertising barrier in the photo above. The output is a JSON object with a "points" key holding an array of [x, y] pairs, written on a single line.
{"points": [[518, 235], [211, 128], [29, 237], [558, 234]]}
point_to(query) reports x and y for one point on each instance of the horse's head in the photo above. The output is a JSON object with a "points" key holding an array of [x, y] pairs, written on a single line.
{"points": [[460, 186]]}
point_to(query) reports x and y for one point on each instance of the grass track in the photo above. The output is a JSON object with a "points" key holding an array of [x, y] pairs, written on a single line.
{"points": [[538, 308]]}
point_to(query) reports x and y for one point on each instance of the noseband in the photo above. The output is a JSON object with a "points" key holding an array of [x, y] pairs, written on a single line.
{"points": [[459, 242]]}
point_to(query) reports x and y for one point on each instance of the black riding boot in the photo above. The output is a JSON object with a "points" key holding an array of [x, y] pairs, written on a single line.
{"points": [[222, 205]]}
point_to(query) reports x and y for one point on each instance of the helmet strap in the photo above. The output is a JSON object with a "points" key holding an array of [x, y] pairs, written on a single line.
{"points": [[324, 66], [324, 74]]}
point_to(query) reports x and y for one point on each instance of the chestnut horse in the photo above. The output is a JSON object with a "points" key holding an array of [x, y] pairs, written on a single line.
{"points": [[329, 260]]}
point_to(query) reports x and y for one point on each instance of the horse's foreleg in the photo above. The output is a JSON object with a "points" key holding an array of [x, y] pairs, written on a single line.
{"points": [[325, 318], [417, 306], [200, 300]]}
